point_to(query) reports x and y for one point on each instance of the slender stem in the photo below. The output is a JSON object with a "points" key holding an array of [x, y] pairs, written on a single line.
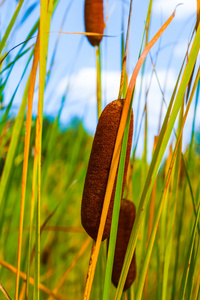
{"points": [[90, 273], [125, 54], [98, 63], [4, 292]]}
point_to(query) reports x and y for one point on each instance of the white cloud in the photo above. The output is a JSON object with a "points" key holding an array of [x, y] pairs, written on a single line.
{"points": [[81, 101], [83, 85], [166, 7]]}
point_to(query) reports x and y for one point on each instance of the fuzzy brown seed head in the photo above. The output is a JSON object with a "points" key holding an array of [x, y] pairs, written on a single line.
{"points": [[94, 21], [99, 167], [125, 225]]}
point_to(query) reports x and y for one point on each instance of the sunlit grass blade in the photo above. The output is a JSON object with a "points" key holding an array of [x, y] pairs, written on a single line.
{"points": [[150, 219], [5, 116], [33, 197], [157, 158], [13, 144], [10, 26], [171, 220], [29, 118], [16, 59], [144, 171], [46, 10], [28, 12], [26, 156]]}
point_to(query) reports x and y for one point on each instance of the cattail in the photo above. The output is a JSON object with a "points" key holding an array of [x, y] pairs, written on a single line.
{"points": [[94, 21], [125, 225], [99, 167]]}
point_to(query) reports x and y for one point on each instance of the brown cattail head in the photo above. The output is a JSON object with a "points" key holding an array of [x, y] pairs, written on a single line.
{"points": [[94, 21], [125, 225], [99, 167]]}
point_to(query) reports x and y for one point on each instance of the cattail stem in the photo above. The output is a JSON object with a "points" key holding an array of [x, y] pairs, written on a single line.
{"points": [[98, 64], [89, 273]]}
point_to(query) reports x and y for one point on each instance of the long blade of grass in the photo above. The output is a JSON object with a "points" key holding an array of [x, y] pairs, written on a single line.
{"points": [[150, 222], [26, 155], [10, 26], [5, 116], [32, 31], [157, 158], [13, 143], [116, 154], [16, 59], [45, 21], [171, 220], [33, 197], [29, 118]]}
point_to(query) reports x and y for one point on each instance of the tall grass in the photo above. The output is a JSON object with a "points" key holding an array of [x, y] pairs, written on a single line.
{"points": [[44, 251]]}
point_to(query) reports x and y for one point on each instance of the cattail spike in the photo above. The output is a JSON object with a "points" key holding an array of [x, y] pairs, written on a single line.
{"points": [[99, 167], [94, 20], [125, 225]]}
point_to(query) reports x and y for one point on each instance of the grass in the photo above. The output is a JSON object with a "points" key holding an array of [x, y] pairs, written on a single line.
{"points": [[44, 251]]}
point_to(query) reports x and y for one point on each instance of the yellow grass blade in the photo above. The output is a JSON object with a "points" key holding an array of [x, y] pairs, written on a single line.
{"points": [[26, 154]]}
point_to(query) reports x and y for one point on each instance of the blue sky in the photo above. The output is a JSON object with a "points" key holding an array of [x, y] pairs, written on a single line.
{"points": [[75, 62]]}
